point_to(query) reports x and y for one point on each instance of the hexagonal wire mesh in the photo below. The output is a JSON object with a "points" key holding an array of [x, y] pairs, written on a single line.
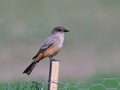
{"points": [[97, 84]]}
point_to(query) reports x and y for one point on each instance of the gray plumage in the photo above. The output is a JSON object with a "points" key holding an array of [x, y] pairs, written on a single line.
{"points": [[50, 47]]}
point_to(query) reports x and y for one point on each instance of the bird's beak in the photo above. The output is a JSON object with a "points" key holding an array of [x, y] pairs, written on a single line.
{"points": [[66, 30]]}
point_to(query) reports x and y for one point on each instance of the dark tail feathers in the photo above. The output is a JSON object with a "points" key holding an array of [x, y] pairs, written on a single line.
{"points": [[29, 69]]}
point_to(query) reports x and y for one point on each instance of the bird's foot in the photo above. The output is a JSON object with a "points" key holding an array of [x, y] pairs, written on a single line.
{"points": [[51, 59]]}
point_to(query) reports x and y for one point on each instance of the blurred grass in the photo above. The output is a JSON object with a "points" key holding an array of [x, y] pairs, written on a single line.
{"points": [[100, 83], [20, 86], [91, 47]]}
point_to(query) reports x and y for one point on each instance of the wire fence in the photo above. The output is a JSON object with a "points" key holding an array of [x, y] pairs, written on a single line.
{"points": [[97, 84]]}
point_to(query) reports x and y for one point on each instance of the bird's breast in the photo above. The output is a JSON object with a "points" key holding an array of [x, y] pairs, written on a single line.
{"points": [[60, 42]]}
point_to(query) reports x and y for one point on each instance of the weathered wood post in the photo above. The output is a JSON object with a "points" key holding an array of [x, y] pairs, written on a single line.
{"points": [[53, 75]]}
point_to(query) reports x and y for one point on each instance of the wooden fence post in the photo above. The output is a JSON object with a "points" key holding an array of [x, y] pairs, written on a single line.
{"points": [[53, 75]]}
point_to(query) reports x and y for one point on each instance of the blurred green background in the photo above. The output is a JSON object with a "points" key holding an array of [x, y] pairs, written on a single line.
{"points": [[91, 47]]}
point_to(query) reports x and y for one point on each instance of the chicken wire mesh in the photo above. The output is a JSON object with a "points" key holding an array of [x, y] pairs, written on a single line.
{"points": [[97, 84]]}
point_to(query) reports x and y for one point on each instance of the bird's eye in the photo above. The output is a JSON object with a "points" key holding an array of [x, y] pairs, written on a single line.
{"points": [[59, 30]]}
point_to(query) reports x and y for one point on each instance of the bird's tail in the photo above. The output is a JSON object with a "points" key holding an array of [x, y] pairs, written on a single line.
{"points": [[29, 69]]}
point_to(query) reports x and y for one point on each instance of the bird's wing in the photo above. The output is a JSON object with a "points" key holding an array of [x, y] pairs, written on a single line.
{"points": [[49, 42]]}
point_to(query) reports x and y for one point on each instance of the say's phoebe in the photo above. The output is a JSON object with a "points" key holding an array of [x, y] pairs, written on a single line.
{"points": [[50, 47]]}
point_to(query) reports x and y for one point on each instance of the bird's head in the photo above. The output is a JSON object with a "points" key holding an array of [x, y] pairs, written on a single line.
{"points": [[59, 30]]}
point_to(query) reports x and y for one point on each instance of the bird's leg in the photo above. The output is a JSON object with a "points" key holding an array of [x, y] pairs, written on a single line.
{"points": [[51, 59]]}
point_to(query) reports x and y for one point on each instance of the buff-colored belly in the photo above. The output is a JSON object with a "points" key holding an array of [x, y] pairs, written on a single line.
{"points": [[50, 52]]}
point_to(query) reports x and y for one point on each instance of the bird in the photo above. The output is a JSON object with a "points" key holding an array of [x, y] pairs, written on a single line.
{"points": [[50, 47]]}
